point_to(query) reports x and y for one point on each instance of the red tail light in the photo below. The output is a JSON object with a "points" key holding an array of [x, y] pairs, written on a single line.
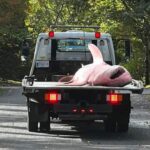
{"points": [[82, 110], [51, 34], [97, 34], [74, 110], [52, 97], [114, 98], [91, 110]]}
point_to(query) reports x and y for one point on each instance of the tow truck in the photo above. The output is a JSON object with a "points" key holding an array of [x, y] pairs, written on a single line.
{"points": [[61, 54]]}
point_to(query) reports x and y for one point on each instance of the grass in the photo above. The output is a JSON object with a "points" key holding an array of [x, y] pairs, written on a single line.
{"points": [[147, 86], [10, 83]]}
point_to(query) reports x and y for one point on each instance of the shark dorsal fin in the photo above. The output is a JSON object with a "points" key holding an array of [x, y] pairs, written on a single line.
{"points": [[96, 53]]}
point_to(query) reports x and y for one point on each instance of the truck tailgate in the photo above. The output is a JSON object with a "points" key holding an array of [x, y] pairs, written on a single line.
{"points": [[134, 87]]}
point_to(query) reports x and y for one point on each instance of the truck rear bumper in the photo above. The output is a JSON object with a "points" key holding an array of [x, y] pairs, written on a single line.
{"points": [[75, 112], [68, 108], [82, 117]]}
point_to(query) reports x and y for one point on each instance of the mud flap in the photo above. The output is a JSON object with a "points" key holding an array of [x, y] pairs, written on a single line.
{"points": [[37, 112]]}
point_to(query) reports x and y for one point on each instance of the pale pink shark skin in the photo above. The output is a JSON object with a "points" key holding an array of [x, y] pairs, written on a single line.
{"points": [[100, 73], [82, 75], [107, 79]]}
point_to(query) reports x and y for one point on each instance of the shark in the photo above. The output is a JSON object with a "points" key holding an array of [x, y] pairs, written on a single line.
{"points": [[99, 72]]}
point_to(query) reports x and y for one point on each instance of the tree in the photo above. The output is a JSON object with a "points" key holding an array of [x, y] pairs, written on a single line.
{"points": [[42, 14], [128, 18], [12, 31], [136, 16], [121, 18]]}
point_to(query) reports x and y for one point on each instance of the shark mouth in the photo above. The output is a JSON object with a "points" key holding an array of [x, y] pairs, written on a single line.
{"points": [[118, 72]]}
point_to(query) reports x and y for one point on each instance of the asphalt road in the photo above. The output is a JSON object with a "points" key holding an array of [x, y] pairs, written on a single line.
{"points": [[14, 134]]}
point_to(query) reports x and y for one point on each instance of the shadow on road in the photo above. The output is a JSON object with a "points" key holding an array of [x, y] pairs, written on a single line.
{"points": [[14, 134], [95, 132]]}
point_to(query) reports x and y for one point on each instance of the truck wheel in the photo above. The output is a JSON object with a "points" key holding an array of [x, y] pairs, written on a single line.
{"points": [[32, 126], [123, 123], [45, 126], [123, 127], [110, 125]]}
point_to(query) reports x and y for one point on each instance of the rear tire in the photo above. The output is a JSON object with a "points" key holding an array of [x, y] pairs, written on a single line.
{"points": [[123, 123], [45, 126], [32, 126], [123, 127], [110, 124]]}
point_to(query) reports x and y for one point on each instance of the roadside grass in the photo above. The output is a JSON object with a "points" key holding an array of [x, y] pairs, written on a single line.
{"points": [[10, 83], [147, 86]]}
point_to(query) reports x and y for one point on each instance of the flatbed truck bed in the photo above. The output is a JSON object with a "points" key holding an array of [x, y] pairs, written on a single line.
{"points": [[134, 87]]}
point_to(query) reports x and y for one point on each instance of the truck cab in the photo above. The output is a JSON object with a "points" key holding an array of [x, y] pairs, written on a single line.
{"points": [[62, 53]]}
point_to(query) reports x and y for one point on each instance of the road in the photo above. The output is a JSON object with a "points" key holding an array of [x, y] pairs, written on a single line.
{"points": [[14, 134]]}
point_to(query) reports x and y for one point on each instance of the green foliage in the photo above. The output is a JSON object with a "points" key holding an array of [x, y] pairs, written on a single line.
{"points": [[42, 14], [121, 18], [10, 41], [127, 19], [136, 16], [136, 65], [12, 32]]}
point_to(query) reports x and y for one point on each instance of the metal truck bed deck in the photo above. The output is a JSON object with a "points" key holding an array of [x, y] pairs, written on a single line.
{"points": [[134, 87]]}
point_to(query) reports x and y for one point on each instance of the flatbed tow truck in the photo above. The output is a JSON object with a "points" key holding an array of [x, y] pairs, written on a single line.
{"points": [[60, 54]]}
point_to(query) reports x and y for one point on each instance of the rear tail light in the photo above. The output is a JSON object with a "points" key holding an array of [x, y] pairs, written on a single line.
{"points": [[97, 34], [91, 110], [82, 110], [51, 34], [52, 97], [74, 110], [114, 98]]}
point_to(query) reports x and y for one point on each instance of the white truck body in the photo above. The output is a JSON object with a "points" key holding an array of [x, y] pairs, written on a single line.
{"points": [[59, 54], [43, 51]]}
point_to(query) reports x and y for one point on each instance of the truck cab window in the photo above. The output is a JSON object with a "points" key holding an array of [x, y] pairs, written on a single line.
{"points": [[43, 49], [72, 45], [105, 49]]}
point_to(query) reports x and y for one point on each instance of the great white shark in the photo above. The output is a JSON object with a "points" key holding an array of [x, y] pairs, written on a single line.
{"points": [[99, 72]]}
